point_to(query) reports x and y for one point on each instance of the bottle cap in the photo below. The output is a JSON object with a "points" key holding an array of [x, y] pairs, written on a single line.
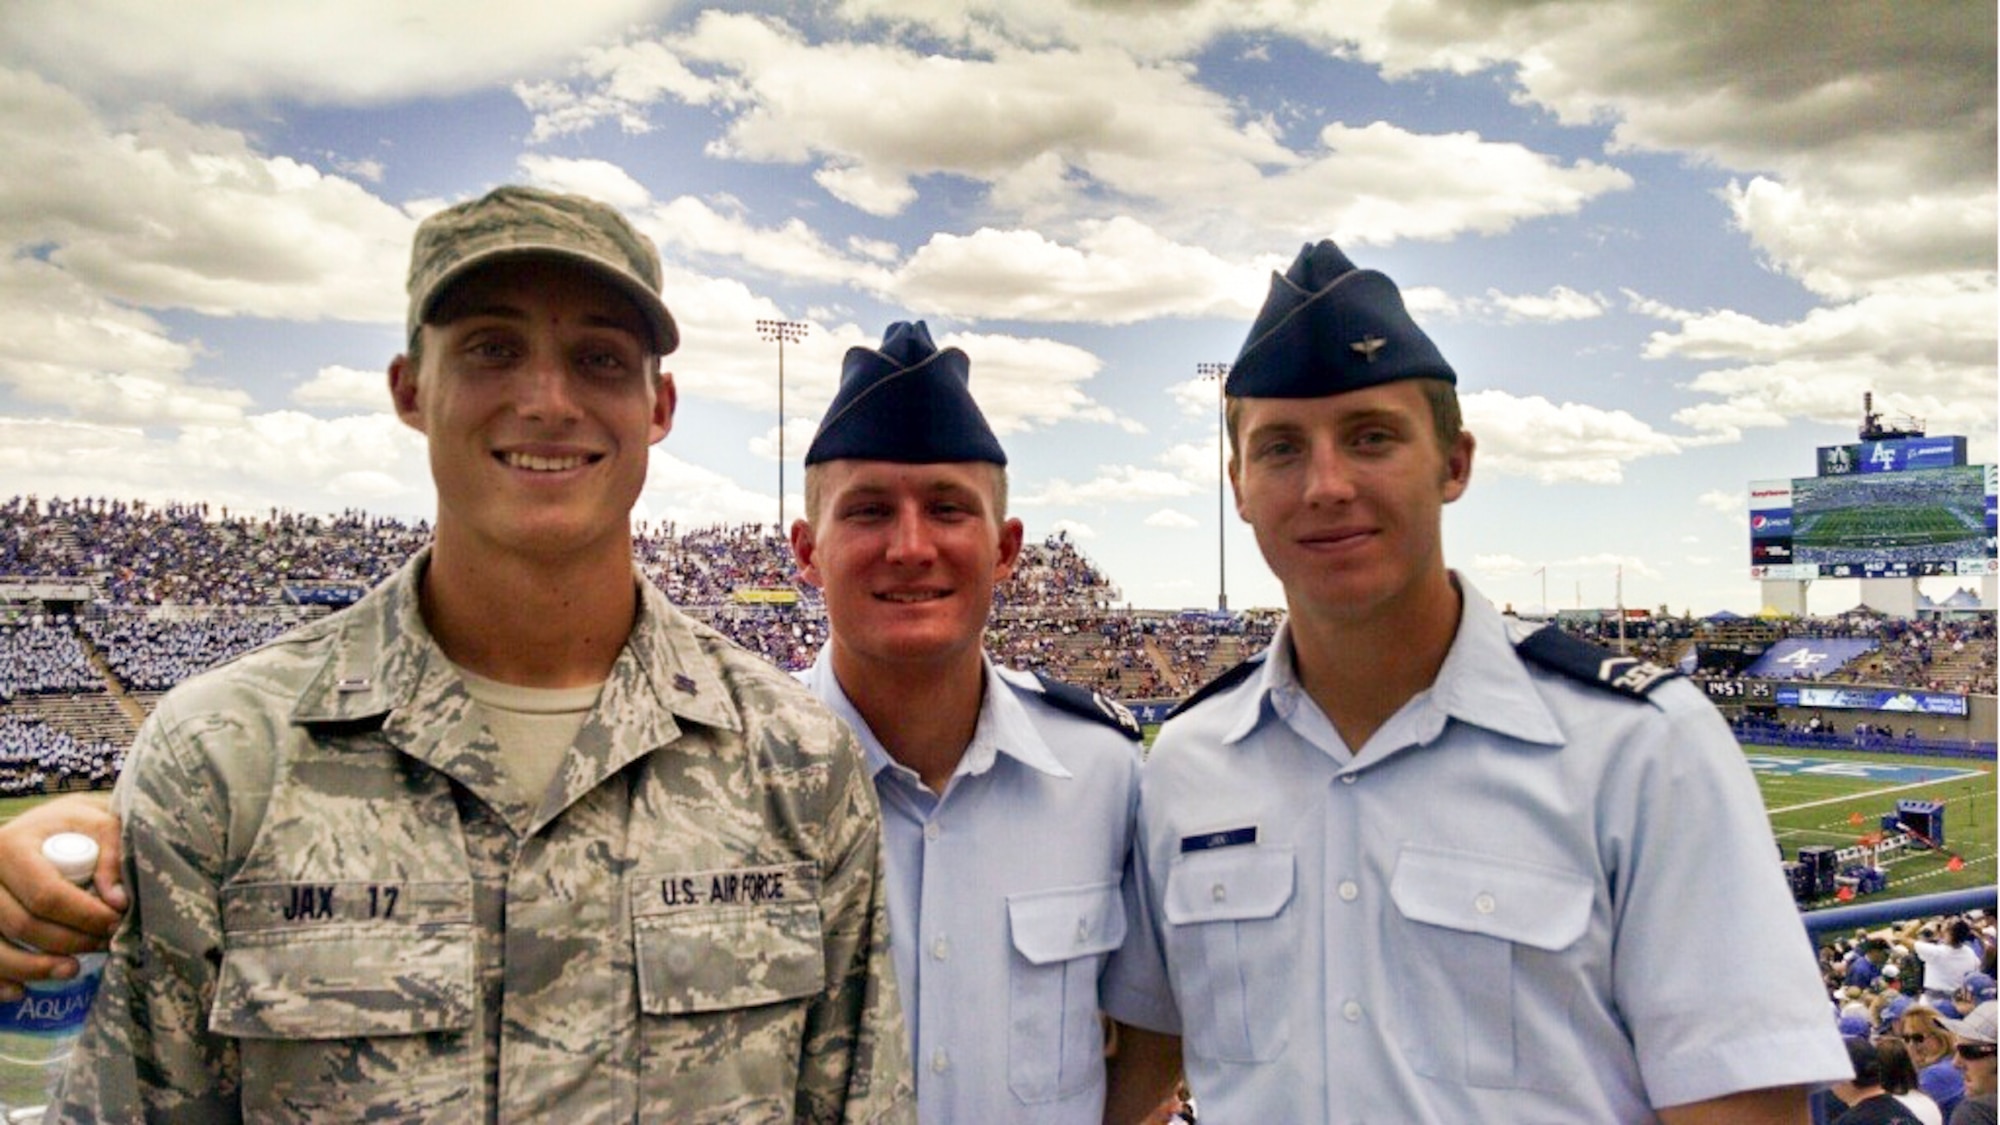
{"points": [[74, 855]]}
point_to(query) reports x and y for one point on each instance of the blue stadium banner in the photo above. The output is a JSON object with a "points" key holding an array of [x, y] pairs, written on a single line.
{"points": [[1804, 657], [1872, 699], [1895, 456]]}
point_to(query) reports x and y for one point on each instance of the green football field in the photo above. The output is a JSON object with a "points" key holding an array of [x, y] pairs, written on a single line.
{"points": [[1837, 798], [1884, 527]]}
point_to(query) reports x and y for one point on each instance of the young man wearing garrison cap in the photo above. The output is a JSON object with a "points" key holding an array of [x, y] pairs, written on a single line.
{"points": [[1007, 798], [1417, 862], [511, 838]]}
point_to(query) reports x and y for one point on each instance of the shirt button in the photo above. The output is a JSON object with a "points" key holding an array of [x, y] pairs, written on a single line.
{"points": [[1348, 891], [1082, 930], [941, 949], [932, 832], [1218, 892], [940, 1062], [1351, 1011], [1484, 903], [1348, 778]]}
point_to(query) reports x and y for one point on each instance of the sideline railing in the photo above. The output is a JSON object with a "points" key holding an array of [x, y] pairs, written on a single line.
{"points": [[1863, 916]]}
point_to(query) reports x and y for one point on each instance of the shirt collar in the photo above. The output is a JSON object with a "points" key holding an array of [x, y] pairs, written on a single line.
{"points": [[1482, 682], [1003, 728]]}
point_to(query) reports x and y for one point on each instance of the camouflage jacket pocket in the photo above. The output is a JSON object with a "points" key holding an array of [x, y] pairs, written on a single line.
{"points": [[324, 961], [329, 984], [737, 939]]}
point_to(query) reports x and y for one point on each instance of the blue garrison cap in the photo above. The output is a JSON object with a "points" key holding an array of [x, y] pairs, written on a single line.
{"points": [[1328, 328], [906, 402]]}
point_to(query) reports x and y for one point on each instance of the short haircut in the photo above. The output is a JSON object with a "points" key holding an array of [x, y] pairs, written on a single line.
{"points": [[1446, 420]]}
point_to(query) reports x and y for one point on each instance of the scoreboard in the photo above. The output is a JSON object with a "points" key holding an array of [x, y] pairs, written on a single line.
{"points": [[1907, 508]]}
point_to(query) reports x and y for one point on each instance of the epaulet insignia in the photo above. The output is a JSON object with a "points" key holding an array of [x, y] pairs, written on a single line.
{"points": [[1559, 652], [1090, 705], [1218, 685]]}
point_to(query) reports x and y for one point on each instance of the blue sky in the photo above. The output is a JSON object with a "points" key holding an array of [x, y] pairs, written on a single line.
{"points": [[1667, 246]]}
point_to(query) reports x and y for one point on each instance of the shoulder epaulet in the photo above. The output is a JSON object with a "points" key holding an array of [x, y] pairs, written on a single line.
{"points": [[1217, 686], [1090, 705], [1559, 652]]}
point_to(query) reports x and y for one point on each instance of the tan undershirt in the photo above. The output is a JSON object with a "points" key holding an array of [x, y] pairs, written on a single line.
{"points": [[534, 727]]}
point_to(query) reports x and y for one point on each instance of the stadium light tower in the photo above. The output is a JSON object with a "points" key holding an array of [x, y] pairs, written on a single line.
{"points": [[1220, 373], [781, 332]]}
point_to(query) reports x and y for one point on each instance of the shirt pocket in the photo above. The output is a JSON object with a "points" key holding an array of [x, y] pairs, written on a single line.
{"points": [[351, 1019], [1231, 939], [1055, 1044], [728, 958], [729, 964], [1492, 965]]}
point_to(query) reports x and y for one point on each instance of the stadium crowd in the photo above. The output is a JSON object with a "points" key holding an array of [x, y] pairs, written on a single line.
{"points": [[233, 580], [1902, 989]]}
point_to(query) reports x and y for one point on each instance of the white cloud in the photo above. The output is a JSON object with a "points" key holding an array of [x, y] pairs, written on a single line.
{"points": [[632, 75], [1197, 398], [1870, 139], [344, 388], [1117, 272], [1059, 132], [799, 431], [1024, 383], [792, 252], [1532, 437], [598, 179], [248, 463], [1924, 348], [1378, 184], [1502, 565], [696, 497], [1196, 462], [1168, 518], [1842, 247], [355, 51], [1113, 484], [1074, 529], [1559, 304], [163, 213], [1728, 503]]}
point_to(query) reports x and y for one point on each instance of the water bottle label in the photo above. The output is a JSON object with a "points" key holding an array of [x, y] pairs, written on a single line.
{"points": [[51, 1008]]}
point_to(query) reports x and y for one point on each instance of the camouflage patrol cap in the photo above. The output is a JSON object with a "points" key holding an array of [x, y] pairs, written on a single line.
{"points": [[1328, 328], [524, 222]]}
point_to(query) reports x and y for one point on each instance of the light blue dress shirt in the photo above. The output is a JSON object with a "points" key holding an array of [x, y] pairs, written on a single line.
{"points": [[1007, 900], [1527, 899]]}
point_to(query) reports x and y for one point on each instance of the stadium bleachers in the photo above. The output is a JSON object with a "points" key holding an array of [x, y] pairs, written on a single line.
{"points": [[175, 589]]}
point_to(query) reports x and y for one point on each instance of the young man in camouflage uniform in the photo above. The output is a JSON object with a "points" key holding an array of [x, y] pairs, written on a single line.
{"points": [[511, 838], [1007, 798]]}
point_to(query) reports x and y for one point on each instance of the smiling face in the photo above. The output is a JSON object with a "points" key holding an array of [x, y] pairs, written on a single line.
{"points": [[539, 395], [907, 556], [1345, 494]]}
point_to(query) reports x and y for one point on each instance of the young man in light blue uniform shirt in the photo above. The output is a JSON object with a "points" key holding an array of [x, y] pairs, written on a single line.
{"points": [[1007, 799], [1418, 862]]}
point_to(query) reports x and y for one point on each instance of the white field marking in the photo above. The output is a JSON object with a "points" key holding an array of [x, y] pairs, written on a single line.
{"points": [[1875, 793]]}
